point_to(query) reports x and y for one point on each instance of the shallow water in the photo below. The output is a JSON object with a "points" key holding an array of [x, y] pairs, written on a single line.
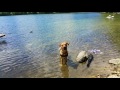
{"points": [[35, 55]]}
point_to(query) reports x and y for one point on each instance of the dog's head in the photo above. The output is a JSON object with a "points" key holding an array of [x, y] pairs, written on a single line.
{"points": [[63, 45]]}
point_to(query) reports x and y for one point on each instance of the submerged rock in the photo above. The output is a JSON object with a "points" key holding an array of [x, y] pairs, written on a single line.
{"points": [[31, 31], [115, 61], [82, 57]]}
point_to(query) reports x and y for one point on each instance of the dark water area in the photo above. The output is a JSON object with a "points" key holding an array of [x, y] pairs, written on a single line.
{"points": [[30, 47]]}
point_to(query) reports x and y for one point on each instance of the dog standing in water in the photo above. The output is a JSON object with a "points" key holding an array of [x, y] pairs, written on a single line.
{"points": [[63, 53]]}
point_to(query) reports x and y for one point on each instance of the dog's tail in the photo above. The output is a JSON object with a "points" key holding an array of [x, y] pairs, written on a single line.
{"points": [[90, 59]]}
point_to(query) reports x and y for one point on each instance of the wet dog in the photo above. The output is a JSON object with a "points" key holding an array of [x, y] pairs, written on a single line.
{"points": [[63, 53]]}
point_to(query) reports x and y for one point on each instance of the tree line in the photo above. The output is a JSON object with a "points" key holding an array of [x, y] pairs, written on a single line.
{"points": [[22, 13]]}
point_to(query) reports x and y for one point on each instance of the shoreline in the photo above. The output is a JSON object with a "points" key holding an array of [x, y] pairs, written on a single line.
{"points": [[28, 13]]}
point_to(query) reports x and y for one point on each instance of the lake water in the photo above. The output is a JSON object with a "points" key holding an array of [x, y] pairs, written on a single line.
{"points": [[35, 55]]}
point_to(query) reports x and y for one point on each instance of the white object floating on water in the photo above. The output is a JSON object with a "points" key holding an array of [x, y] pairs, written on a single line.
{"points": [[112, 16], [109, 17], [2, 35], [95, 51]]}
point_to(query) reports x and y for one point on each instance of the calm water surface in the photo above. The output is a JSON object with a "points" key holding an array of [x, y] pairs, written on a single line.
{"points": [[35, 55]]}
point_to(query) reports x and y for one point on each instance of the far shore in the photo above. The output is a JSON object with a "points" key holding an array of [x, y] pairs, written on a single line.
{"points": [[28, 13]]}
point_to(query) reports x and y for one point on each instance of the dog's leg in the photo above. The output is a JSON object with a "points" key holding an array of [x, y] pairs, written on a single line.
{"points": [[64, 60], [61, 61]]}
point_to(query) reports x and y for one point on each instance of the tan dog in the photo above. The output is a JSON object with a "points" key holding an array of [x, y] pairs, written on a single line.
{"points": [[63, 53]]}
